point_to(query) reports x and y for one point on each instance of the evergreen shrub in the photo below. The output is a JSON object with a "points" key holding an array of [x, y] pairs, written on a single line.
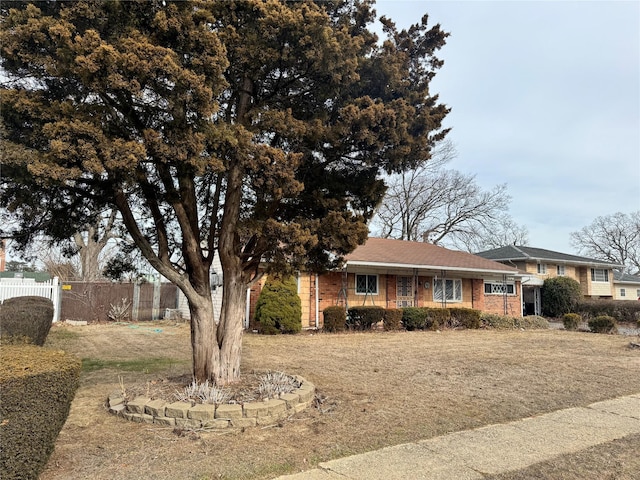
{"points": [[37, 386], [392, 319], [560, 295], [437, 317], [603, 324], [414, 318], [571, 321], [364, 317], [25, 320], [335, 319], [279, 308], [465, 317]]}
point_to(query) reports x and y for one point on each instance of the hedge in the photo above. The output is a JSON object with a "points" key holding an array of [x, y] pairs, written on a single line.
{"points": [[37, 386], [25, 320], [624, 311], [335, 319], [364, 317]]}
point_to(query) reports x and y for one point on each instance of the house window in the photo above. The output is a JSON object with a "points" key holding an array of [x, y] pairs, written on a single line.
{"points": [[542, 268], [499, 288], [638, 293], [623, 292], [599, 275], [366, 284], [560, 270], [448, 290]]}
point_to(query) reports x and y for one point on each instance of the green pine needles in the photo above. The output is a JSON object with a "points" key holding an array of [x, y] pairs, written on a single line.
{"points": [[279, 309]]}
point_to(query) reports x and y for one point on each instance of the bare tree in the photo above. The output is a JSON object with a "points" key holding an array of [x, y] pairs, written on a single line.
{"points": [[613, 238], [440, 206], [90, 245]]}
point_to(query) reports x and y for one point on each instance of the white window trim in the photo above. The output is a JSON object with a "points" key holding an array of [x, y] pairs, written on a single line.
{"points": [[623, 292], [455, 281], [561, 270], [500, 284], [542, 268], [605, 273], [366, 275]]}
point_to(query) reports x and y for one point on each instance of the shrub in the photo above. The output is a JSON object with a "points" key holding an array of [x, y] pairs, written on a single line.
{"points": [[496, 321], [279, 309], [37, 386], [414, 318], [364, 317], [621, 310], [25, 320], [560, 295], [531, 322], [603, 324], [437, 317], [571, 321], [335, 319], [465, 317], [392, 319]]}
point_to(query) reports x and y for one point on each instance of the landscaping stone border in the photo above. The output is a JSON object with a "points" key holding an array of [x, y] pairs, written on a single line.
{"points": [[183, 414]]}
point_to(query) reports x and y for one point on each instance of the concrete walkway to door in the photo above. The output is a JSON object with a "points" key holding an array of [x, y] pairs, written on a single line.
{"points": [[471, 454]]}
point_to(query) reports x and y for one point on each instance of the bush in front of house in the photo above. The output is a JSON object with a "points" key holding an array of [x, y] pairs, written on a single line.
{"points": [[571, 321], [37, 385], [335, 319], [392, 319], [603, 324], [531, 322], [507, 322], [560, 295], [465, 317], [364, 317], [414, 318], [25, 320], [437, 317], [279, 308], [622, 310]]}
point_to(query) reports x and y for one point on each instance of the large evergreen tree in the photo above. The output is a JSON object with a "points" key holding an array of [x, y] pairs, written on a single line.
{"points": [[257, 129]]}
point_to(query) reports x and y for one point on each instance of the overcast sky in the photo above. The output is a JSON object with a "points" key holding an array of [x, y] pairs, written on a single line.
{"points": [[545, 97]]}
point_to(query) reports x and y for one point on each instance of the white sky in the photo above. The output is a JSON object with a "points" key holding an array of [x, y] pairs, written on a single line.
{"points": [[545, 97]]}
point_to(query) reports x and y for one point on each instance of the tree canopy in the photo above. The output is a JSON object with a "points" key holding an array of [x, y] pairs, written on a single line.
{"points": [[613, 238], [255, 129]]}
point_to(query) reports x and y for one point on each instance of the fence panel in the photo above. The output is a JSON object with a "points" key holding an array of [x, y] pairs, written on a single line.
{"points": [[16, 287], [93, 301]]}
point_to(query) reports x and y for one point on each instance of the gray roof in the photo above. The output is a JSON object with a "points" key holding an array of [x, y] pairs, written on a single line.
{"points": [[625, 278], [518, 253]]}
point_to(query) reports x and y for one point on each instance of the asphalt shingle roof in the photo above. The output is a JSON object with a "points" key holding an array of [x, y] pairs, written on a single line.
{"points": [[513, 252], [386, 252]]}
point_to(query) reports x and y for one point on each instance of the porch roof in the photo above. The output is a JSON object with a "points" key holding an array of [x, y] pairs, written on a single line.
{"points": [[401, 254]]}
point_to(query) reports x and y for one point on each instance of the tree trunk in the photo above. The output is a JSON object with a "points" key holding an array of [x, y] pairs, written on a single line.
{"points": [[205, 351], [230, 327]]}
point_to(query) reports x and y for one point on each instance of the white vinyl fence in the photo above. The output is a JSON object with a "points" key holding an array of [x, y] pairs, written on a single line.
{"points": [[25, 287]]}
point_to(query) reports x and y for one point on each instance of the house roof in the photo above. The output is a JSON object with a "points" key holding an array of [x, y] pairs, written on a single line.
{"points": [[518, 253], [625, 278], [388, 253]]}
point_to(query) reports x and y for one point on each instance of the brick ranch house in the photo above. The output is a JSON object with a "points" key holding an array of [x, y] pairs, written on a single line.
{"points": [[396, 273]]}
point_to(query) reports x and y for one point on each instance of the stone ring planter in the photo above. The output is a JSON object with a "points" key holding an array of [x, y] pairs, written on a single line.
{"points": [[183, 414]]}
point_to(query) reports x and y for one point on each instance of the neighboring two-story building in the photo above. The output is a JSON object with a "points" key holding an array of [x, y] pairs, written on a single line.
{"points": [[596, 277], [626, 287]]}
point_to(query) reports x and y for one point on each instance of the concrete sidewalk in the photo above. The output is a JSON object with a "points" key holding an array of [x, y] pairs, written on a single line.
{"points": [[490, 450]]}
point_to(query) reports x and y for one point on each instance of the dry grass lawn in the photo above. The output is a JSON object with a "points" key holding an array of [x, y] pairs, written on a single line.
{"points": [[374, 389]]}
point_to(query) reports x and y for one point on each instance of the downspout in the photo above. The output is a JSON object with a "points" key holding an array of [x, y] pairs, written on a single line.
{"points": [[247, 309], [317, 302]]}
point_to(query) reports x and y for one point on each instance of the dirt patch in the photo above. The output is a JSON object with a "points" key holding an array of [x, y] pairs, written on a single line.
{"points": [[373, 390]]}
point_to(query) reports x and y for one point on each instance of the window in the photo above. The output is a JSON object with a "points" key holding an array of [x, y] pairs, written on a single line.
{"points": [[542, 268], [366, 284], [499, 288], [599, 275], [638, 293], [623, 292], [560, 270], [451, 290]]}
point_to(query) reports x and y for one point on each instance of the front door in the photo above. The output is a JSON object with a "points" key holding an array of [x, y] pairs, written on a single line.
{"points": [[404, 292]]}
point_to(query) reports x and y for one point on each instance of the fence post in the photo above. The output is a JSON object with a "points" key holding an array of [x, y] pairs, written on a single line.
{"points": [[135, 302], [155, 311], [56, 298]]}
